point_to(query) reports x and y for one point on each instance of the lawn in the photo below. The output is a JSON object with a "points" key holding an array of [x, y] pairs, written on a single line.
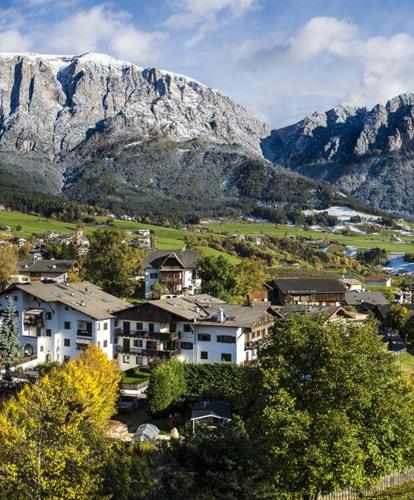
{"points": [[134, 376], [406, 362], [32, 224]]}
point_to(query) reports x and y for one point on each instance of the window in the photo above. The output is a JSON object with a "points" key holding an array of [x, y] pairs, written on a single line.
{"points": [[204, 355], [226, 357], [187, 328], [105, 325], [186, 346], [137, 343], [116, 322], [41, 348], [138, 360], [140, 326], [125, 358], [48, 332], [66, 342], [67, 308], [105, 344], [66, 325], [204, 337], [48, 315], [151, 327], [16, 298], [98, 327], [152, 345], [153, 276], [66, 358], [226, 339]]}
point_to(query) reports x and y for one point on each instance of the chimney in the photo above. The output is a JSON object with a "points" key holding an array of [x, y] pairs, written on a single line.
{"points": [[220, 315]]}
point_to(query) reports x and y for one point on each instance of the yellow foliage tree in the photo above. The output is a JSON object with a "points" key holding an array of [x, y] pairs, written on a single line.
{"points": [[52, 435], [8, 264]]}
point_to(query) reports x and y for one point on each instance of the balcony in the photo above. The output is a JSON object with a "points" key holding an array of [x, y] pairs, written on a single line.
{"points": [[151, 353], [255, 344], [82, 345], [84, 333], [144, 334]]}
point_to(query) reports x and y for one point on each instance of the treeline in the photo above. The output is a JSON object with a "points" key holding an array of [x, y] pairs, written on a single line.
{"points": [[373, 257], [47, 205]]}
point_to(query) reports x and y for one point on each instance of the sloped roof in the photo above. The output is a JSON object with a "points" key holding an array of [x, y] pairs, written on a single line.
{"points": [[187, 258], [308, 285], [205, 308], [84, 297], [329, 311], [357, 298], [47, 266], [211, 408]]}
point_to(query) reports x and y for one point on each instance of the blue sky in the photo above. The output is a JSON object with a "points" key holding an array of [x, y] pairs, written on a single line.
{"points": [[281, 59]]}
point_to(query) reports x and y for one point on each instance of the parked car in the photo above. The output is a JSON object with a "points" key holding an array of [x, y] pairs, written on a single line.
{"points": [[127, 404]]}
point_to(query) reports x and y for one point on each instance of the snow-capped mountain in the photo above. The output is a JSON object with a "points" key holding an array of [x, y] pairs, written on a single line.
{"points": [[368, 152], [52, 104], [107, 132]]}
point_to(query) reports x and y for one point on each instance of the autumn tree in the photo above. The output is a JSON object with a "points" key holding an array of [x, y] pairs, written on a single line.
{"points": [[397, 316], [8, 265], [335, 409], [52, 435], [111, 263], [9, 339]]}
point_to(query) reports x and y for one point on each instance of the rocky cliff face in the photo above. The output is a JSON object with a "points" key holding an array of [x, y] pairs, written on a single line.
{"points": [[52, 105], [369, 153]]}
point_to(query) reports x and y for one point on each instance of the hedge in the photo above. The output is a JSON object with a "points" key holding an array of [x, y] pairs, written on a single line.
{"points": [[174, 382]]}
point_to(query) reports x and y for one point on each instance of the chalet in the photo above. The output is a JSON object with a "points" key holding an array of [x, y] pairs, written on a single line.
{"points": [[175, 270], [56, 321], [378, 281], [196, 328], [46, 270], [317, 291]]}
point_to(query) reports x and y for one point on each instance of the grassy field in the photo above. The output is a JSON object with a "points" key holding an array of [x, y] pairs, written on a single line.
{"points": [[169, 238], [134, 377]]}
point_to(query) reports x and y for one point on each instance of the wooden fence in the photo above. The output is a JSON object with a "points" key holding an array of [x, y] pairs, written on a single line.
{"points": [[388, 481]]}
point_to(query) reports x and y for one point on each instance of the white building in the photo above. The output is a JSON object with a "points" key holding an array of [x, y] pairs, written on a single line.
{"points": [[57, 321], [175, 270], [199, 329]]}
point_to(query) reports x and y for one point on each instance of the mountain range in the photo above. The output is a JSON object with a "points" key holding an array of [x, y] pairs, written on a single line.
{"points": [[104, 131]]}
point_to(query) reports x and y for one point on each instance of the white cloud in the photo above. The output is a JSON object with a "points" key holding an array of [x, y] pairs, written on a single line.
{"points": [[384, 65], [206, 15], [14, 41], [100, 29]]}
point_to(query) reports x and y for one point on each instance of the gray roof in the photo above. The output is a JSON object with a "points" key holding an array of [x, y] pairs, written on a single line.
{"points": [[84, 297], [204, 309], [187, 258], [357, 298], [309, 285], [47, 266], [329, 311], [215, 409]]}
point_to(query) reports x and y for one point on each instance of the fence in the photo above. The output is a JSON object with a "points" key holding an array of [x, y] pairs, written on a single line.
{"points": [[388, 481]]}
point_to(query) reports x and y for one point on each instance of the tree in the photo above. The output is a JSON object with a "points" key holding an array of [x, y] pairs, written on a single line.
{"points": [[335, 409], [53, 440], [9, 339], [219, 278], [111, 263], [167, 385], [229, 282], [252, 275], [397, 316], [220, 463], [8, 265]]}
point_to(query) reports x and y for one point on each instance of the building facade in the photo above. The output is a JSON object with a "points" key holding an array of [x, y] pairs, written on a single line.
{"points": [[175, 272], [316, 291], [57, 321], [198, 329]]}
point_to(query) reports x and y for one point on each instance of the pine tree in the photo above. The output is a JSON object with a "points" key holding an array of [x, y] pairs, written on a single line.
{"points": [[9, 339]]}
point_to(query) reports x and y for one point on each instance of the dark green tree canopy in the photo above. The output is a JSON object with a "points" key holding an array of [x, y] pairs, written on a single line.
{"points": [[9, 338], [335, 409]]}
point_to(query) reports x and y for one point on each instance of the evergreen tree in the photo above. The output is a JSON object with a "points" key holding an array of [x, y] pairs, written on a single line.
{"points": [[9, 339]]}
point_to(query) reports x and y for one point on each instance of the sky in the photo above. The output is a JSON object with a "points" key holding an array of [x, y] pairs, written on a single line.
{"points": [[282, 60]]}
